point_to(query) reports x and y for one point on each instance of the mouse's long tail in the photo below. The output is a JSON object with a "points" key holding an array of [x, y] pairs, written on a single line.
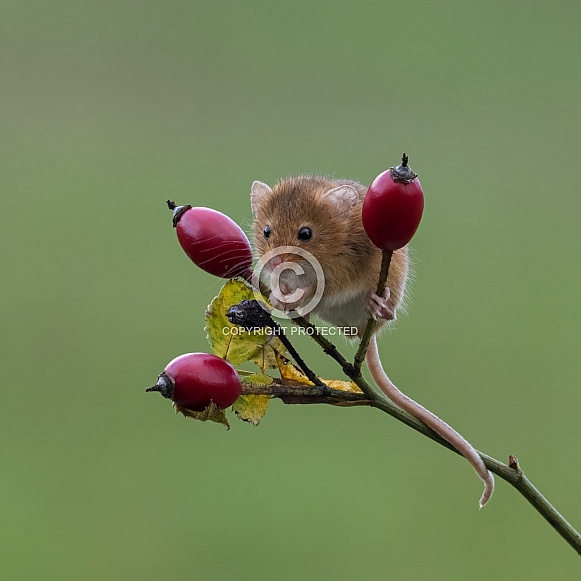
{"points": [[431, 420]]}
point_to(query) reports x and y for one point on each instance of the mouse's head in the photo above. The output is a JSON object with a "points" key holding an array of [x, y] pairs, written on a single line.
{"points": [[300, 226]]}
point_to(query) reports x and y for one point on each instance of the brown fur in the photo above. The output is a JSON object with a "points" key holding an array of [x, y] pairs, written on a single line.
{"points": [[349, 259]]}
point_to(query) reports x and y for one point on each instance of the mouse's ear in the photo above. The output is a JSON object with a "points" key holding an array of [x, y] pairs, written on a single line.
{"points": [[258, 193], [343, 197]]}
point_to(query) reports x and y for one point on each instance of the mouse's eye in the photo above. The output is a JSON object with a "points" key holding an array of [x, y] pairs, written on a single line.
{"points": [[305, 233], [266, 232]]}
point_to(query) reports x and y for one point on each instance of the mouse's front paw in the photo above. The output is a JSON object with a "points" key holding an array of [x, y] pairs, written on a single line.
{"points": [[378, 307], [276, 304]]}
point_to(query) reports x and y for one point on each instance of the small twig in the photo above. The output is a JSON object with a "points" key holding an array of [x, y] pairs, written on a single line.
{"points": [[312, 376], [371, 323], [325, 344], [545, 508]]}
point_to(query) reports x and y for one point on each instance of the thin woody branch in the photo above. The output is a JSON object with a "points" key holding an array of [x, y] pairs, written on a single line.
{"points": [[295, 392], [326, 345], [299, 393]]}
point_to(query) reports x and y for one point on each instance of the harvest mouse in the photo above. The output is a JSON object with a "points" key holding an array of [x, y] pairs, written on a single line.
{"points": [[322, 216]]}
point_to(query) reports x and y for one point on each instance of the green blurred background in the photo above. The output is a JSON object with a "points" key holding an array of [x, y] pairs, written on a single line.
{"points": [[109, 108]]}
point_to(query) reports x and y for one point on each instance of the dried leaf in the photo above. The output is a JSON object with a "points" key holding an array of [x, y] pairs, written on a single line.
{"points": [[340, 385], [212, 413], [289, 370]]}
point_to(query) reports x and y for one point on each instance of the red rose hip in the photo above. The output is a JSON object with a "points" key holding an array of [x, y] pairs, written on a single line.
{"points": [[193, 380], [393, 207], [213, 241]]}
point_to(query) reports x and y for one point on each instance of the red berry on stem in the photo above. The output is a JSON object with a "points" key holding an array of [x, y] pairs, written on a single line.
{"points": [[213, 241], [194, 380], [393, 207]]}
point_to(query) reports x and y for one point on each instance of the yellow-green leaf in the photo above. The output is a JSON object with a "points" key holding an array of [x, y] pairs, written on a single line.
{"points": [[251, 408], [254, 378], [232, 342]]}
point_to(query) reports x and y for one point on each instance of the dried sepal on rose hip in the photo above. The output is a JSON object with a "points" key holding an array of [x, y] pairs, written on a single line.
{"points": [[195, 380], [213, 241], [393, 207]]}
